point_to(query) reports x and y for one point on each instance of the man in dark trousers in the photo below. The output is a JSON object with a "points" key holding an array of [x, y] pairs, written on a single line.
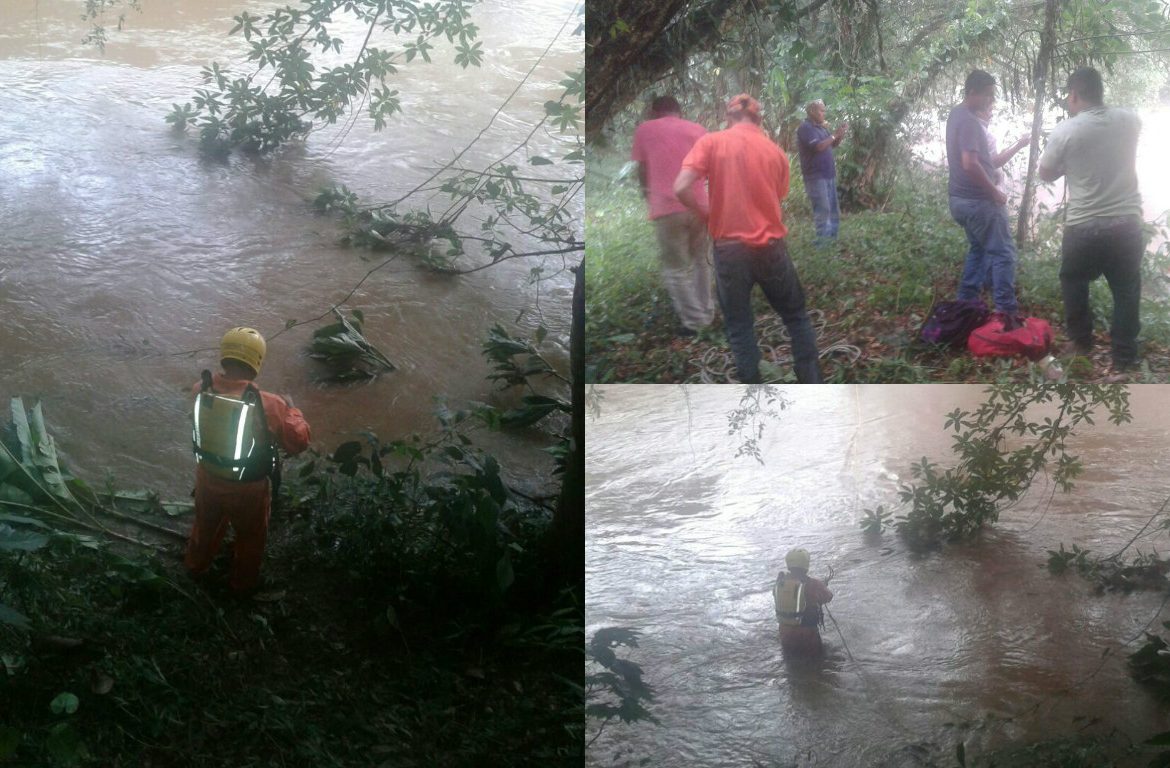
{"points": [[978, 205], [1095, 151], [747, 177]]}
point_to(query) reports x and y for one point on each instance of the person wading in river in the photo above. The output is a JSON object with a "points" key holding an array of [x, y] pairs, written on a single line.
{"points": [[799, 599], [237, 430]]}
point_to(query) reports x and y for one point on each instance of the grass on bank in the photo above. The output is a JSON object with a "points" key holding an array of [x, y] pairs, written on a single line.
{"points": [[868, 294]]}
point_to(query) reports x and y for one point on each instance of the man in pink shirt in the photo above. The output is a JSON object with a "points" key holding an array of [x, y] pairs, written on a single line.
{"points": [[748, 176], [660, 144]]}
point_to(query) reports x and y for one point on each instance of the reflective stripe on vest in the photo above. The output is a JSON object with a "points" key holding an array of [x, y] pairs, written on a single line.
{"points": [[223, 437], [790, 603]]}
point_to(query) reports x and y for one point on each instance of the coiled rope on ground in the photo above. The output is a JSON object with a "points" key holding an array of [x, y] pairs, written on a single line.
{"points": [[717, 366]]}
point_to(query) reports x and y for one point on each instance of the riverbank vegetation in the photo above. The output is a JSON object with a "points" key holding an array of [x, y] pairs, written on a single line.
{"points": [[868, 295], [412, 613], [422, 604], [891, 71], [1000, 449]]}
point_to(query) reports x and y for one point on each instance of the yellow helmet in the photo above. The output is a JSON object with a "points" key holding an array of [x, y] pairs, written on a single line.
{"points": [[797, 558], [245, 345]]}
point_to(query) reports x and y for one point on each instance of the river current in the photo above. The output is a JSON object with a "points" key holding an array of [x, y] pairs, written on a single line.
{"points": [[977, 644], [126, 254]]}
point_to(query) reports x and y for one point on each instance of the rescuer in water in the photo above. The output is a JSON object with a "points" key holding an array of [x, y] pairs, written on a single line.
{"points": [[799, 598], [237, 432]]}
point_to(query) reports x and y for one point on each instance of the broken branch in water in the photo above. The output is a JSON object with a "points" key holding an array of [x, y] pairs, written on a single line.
{"points": [[346, 351]]}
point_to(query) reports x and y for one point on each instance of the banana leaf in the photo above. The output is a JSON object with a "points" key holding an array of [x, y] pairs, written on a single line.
{"points": [[25, 541], [29, 465]]}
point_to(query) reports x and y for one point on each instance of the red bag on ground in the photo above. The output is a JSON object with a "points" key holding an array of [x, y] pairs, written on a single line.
{"points": [[1031, 340]]}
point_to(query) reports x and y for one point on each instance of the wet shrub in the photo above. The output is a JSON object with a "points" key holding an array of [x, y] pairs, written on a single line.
{"points": [[405, 520], [999, 448], [1150, 664], [614, 689]]}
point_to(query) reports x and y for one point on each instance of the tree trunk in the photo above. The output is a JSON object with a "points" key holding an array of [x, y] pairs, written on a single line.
{"points": [[631, 44], [567, 537], [1040, 85]]}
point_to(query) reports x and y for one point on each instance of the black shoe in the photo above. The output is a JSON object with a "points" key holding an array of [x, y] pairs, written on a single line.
{"points": [[1076, 348], [685, 333]]}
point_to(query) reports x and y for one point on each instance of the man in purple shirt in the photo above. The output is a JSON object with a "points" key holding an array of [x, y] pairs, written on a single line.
{"points": [[818, 169], [660, 144], [978, 206]]}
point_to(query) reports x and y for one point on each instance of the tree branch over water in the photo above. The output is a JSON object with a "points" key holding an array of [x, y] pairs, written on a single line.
{"points": [[302, 95]]}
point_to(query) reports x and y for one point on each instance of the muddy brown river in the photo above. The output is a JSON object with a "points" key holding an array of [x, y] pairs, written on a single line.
{"points": [[976, 644], [122, 248]]}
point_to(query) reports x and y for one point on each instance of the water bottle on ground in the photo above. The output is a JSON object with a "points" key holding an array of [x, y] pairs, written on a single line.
{"points": [[1050, 368]]}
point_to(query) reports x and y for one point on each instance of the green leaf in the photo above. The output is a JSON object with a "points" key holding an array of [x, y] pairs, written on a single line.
{"points": [[347, 452], [538, 160], [504, 573], [21, 520], [64, 704], [15, 495], [20, 425], [9, 616], [65, 746], [9, 741], [11, 539]]}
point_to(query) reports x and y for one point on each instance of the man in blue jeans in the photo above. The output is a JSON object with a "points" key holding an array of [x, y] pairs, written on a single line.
{"points": [[818, 168], [1095, 151], [978, 205]]}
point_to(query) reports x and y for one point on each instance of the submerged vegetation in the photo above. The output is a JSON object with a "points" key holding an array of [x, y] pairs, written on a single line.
{"points": [[296, 80], [346, 352], [999, 449]]}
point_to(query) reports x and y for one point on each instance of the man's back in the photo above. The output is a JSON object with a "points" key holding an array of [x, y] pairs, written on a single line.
{"points": [[747, 178], [660, 146], [1096, 150]]}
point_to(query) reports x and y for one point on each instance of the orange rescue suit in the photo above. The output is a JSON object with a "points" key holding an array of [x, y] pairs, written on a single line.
{"points": [[246, 505], [806, 640]]}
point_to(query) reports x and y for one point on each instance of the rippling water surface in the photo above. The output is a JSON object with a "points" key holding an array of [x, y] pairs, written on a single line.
{"points": [[976, 644], [122, 248]]}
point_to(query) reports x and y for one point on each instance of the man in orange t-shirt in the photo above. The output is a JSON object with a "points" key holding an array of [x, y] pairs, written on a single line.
{"points": [[747, 176]]}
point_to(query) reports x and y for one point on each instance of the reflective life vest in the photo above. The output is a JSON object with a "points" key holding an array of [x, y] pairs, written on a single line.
{"points": [[230, 434], [792, 609]]}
